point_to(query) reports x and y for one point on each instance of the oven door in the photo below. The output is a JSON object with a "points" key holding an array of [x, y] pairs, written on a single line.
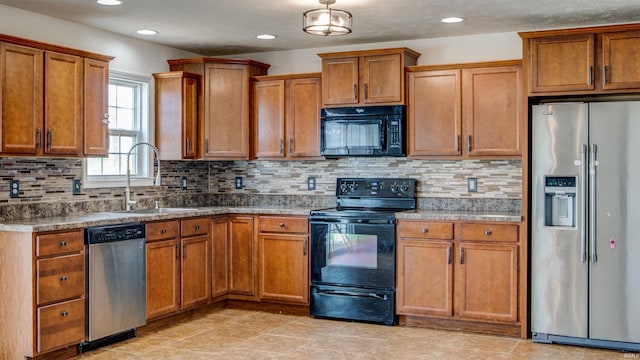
{"points": [[351, 253]]}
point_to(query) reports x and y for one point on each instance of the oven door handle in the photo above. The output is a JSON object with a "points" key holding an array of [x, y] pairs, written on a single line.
{"points": [[351, 221], [352, 294]]}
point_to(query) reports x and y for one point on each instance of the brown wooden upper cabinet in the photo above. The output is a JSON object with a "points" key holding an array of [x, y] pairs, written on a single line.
{"points": [[177, 105], [371, 77], [286, 111], [54, 100], [583, 61], [465, 110], [225, 90]]}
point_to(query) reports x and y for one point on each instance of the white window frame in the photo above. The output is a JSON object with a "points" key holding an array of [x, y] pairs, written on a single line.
{"points": [[145, 163]]}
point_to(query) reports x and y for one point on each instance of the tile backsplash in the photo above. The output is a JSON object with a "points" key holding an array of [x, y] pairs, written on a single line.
{"points": [[46, 184]]}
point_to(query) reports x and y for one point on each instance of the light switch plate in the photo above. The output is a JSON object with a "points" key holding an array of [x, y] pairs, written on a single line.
{"points": [[14, 188], [184, 183], [76, 187], [472, 184]]}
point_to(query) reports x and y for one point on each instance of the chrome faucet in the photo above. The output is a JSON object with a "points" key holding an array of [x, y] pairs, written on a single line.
{"points": [[128, 201]]}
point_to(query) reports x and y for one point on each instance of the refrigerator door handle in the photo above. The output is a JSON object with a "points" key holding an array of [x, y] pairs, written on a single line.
{"points": [[592, 201], [583, 210]]}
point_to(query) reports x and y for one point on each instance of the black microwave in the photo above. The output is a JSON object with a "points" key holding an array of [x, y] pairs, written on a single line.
{"points": [[363, 131]]}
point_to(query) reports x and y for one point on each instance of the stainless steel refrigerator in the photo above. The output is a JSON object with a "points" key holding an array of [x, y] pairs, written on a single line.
{"points": [[585, 224]]}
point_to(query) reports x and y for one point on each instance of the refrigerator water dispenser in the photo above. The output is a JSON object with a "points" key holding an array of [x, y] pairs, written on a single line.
{"points": [[560, 201]]}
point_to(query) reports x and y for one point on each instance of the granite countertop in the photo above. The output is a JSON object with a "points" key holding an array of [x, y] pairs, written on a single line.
{"points": [[109, 218]]}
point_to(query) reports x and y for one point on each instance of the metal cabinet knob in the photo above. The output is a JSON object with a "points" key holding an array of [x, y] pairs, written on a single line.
{"points": [[64, 314], [163, 231], [281, 225], [488, 232], [63, 243], [425, 230], [63, 278]]}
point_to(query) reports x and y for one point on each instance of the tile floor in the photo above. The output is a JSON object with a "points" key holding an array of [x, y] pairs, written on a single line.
{"points": [[239, 334]]}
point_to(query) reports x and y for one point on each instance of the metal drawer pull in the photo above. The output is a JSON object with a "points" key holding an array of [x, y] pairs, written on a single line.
{"points": [[63, 243], [64, 314], [304, 248], [49, 138], [488, 232], [449, 255], [38, 139], [63, 278], [461, 256]]}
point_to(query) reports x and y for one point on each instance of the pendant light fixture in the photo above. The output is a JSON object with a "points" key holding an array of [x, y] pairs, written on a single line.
{"points": [[327, 21]]}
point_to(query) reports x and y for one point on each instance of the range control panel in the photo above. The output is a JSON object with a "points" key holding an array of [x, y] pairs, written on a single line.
{"points": [[376, 187]]}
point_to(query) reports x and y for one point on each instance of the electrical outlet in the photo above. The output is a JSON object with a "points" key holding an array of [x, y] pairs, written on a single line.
{"points": [[76, 187], [184, 183], [472, 184], [311, 183], [239, 182], [14, 188]]}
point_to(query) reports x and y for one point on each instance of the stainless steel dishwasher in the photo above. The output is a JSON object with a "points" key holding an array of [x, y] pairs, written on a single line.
{"points": [[115, 283]]}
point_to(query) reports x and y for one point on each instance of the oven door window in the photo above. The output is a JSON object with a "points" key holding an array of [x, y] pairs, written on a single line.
{"points": [[353, 136], [353, 254]]}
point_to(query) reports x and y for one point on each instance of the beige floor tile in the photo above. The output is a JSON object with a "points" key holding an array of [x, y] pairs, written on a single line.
{"points": [[527, 349], [603, 354], [494, 344]]}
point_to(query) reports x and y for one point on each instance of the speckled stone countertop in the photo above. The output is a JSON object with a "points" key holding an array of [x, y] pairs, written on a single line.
{"points": [[109, 218]]}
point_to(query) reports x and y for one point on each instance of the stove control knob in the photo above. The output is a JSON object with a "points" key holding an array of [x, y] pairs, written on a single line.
{"points": [[343, 187], [394, 188], [353, 186], [404, 187]]}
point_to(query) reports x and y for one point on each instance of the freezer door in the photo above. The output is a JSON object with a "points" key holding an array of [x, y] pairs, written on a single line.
{"points": [[559, 268], [615, 263]]}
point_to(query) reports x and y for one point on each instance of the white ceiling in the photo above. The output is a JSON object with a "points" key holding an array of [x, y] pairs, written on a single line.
{"points": [[221, 27]]}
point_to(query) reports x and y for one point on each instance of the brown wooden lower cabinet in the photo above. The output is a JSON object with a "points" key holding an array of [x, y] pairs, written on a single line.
{"points": [[284, 260], [242, 255], [177, 265], [42, 302], [458, 271], [219, 259]]}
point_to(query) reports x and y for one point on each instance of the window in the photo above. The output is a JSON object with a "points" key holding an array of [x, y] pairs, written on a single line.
{"points": [[128, 125]]}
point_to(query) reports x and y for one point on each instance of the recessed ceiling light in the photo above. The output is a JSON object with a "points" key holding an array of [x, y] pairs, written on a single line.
{"points": [[109, 2], [146, 32], [452, 20], [266, 37]]}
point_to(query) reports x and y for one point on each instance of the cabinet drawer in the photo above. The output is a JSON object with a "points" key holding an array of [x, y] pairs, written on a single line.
{"points": [[425, 230], [59, 243], [162, 230], [60, 278], [193, 227], [489, 232], [284, 224], [61, 325]]}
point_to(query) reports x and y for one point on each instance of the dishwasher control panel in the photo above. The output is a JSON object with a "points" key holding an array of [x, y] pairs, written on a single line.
{"points": [[110, 233]]}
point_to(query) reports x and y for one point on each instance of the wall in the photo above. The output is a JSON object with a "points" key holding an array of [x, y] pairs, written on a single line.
{"points": [[448, 50]]}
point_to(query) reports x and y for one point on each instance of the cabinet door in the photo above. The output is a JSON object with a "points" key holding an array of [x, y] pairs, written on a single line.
{"points": [[487, 282], [190, 108], [621, 70], [268, 110], [96, 112], [194, 276], [226, 111], [284, 268], [63, 103], [242, 266], [340, 81], [434, 113], [491, 110], [21, 93], [303, 102], [163, 278], [219, 276], [562, 63], [382, 79], [425, 278]]}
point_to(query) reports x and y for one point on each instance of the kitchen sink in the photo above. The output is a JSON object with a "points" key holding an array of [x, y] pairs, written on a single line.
{"points": [[158, 211]]}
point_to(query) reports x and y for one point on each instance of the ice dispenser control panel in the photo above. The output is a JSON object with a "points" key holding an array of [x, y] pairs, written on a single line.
{"points": [[560, 201]]}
